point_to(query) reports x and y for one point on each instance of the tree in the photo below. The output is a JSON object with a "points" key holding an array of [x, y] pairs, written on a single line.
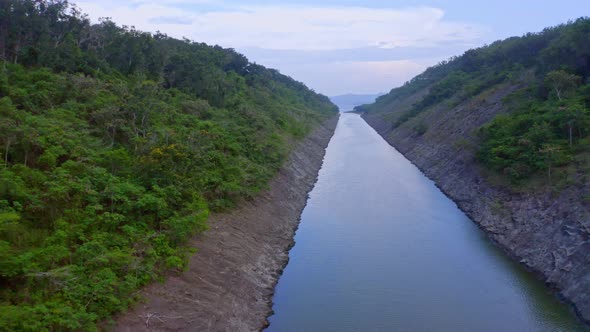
{"points": [[551, 154], [8, 127], [562, 82], [571, 117]]}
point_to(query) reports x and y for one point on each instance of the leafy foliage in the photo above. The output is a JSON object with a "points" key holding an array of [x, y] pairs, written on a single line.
{"points": [[540, 133], [115, 145]]}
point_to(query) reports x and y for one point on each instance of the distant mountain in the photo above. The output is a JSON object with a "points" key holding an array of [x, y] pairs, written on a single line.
{"points": [[349, 101]]}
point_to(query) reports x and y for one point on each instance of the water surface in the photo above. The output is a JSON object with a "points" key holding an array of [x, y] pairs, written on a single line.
{"points": [[380, 248]]}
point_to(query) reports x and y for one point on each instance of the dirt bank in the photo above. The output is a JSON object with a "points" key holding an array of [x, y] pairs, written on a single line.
{"points": [[230, 281]]}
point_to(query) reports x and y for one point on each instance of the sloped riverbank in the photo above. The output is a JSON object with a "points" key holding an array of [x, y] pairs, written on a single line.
{"points": [[231, 279], [546, 231]]}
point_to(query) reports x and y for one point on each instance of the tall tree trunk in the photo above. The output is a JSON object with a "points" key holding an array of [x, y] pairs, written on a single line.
{"points": [[16, 57], [6, 153], [114, 133]]}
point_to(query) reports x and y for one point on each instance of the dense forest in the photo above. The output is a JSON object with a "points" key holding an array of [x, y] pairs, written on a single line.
{"points": [[547, 123], [115, 145]]}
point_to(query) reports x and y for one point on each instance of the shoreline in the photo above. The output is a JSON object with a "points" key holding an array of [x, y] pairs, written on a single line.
{"points": [[231, 279]]}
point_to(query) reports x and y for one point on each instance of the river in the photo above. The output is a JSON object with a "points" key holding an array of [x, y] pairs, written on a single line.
{"points": [[380, 248]]}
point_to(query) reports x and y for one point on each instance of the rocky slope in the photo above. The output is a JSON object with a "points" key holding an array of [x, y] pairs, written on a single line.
{"points": [[546, 230], [230, 280]]}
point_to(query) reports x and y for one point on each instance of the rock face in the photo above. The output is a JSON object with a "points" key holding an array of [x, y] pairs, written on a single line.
{"points": [[231, 279], [547, 231]]}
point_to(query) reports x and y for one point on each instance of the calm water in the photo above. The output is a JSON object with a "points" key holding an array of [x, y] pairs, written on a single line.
{"points": [[380, 248]]}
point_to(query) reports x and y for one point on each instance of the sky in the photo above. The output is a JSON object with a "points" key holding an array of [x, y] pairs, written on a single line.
{"points": [[342, 46]]}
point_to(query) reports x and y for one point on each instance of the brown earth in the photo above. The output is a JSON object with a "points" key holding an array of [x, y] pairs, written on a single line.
{"points": [[230, 280]]}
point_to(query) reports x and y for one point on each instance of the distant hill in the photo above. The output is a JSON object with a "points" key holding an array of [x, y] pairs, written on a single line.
{"points": [[349, 101]]}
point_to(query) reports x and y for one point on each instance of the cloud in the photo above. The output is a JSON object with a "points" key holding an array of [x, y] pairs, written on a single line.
{"points": [[294, 27], [170, 20], [292, 57], [331, 49]]}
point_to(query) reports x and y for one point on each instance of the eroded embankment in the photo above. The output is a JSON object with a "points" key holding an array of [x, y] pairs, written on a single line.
{"points": [[547, 231], [230, 281]]}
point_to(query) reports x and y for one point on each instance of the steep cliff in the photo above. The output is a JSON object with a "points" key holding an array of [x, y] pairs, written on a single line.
{"points": [[542, 222]]}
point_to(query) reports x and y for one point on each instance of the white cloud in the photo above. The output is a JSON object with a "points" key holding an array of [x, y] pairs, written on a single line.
{"points": [[395, 39], [294, 27]]}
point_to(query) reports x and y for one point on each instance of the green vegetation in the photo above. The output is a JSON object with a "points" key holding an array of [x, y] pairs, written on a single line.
{"points": [[549, 113], [543, 131], [421, 128], [115, 145]]}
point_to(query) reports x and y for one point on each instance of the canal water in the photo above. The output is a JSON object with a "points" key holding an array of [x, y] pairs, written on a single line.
{"points": [[380, 248]]}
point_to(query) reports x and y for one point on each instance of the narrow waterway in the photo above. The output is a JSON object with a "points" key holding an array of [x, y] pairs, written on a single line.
{"points": [[380, 248]]}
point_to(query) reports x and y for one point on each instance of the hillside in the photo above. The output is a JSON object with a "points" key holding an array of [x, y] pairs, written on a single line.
{"points": [[504, 130], [115, 145]]}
